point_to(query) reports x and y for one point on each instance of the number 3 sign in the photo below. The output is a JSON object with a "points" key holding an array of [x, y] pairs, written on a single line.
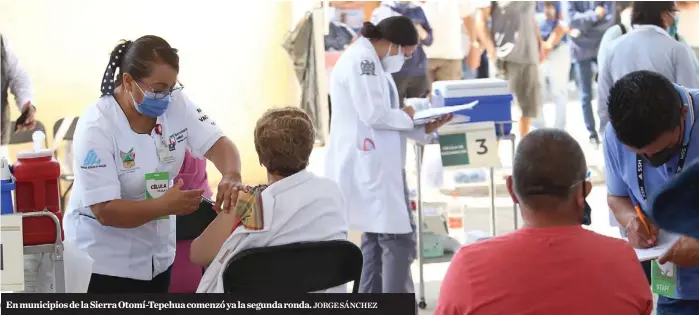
{"points": [[470, 145]]}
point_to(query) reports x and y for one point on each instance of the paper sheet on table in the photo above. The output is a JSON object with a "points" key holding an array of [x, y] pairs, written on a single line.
{"points": [[665, 241], [424, 116]]}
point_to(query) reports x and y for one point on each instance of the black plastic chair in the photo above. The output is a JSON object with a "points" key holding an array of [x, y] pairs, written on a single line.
{"points": [[65, 177], [294, 268], [22, 137]]}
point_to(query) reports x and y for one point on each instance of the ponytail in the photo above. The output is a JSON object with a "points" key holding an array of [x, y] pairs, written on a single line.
{"points": [[136, 59], [111, 80], [398, 30], [370, 31]]}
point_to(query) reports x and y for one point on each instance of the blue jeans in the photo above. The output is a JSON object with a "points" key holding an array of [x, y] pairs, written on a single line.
{"points": [[668, 306], [584, 74]]}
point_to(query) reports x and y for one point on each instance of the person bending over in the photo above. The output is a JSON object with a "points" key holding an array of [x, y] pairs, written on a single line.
{"points": [[649, 140], [552, 265], [295, 205]]}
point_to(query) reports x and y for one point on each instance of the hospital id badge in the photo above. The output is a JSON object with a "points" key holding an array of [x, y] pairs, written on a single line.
{"points": [[165, 154], [663, 278], [156, 185]]}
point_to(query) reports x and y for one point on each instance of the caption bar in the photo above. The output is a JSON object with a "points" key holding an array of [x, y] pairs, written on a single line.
{"points": [[170, 303]]}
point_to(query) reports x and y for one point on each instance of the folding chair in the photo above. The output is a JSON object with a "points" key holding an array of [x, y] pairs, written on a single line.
{"points": [[22, 137], [66, 164], [294, 268]]}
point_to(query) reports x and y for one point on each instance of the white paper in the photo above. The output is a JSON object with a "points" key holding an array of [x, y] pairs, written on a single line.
{"points": [[424, 116], [11, 253], [665, 241]]}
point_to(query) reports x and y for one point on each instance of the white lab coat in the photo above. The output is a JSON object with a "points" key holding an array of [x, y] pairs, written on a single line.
{"points": [[365, 107], [299, 208]]}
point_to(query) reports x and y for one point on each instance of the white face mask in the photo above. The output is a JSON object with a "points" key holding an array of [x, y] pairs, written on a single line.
{"points": [[393, 64]]}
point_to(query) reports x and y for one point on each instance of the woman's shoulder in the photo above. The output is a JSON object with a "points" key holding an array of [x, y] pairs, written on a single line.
{"points": [[100, 113]]}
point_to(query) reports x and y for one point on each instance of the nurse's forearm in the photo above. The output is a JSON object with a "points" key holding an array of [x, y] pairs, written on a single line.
{"points": [[128, 214], [623, 209], [205, 247], [225, 156]]}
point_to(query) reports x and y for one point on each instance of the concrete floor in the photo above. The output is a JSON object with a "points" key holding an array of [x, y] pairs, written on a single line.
{"points": [[477, 203]]}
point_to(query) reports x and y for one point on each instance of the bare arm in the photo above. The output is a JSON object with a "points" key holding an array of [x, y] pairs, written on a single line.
{"points": [[470, 25], [205, 247], [623, 209], [128, 213], [482, 30], [225, 156]]}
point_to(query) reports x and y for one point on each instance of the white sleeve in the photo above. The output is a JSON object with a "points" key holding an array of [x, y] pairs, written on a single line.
{"points": [[418, 134], [95, 167], [366, 86], [467, 8], [20, 83], [202, 131], [480, 4], [686, 67]]}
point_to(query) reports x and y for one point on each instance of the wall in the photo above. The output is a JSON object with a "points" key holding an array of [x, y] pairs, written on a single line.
{"points": [[689, 24], [232, 63]]}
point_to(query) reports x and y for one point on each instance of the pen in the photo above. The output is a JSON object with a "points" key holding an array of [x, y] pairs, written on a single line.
{"points": [[642, 217]]}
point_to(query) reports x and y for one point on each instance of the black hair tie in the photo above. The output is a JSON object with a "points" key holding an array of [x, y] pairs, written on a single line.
{"points": [[110, 74]]}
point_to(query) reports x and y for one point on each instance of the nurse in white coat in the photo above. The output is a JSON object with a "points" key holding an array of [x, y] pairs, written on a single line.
{"points": [[366, 151], [128, 145]]}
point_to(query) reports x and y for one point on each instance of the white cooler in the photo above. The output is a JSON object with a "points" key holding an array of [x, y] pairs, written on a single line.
{"points": [[493, 96]]}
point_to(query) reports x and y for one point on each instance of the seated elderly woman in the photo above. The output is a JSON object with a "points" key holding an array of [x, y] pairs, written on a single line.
{"points": [[295, 205]]}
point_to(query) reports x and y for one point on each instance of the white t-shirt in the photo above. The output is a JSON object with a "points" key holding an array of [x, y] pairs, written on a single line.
{"points": [[111, 163], [446, 19]]}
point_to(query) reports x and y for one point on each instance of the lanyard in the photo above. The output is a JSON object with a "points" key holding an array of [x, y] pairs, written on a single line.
{"points": [[159, 131], [683, 152]]}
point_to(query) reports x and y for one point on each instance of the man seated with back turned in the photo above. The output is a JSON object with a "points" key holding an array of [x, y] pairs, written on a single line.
{"points": [[552, 265]]}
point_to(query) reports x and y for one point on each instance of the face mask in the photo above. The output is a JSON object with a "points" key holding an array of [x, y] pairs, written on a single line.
{"points": [[393, 64], [665, 155], [587, 211], [151, 106], [672, 30]]}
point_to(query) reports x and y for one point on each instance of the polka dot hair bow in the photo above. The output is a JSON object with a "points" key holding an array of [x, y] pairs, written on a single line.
{"points": [[110, 74]]}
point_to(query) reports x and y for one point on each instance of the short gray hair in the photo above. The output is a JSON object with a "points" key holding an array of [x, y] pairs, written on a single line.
{"points": [[547, 162]]}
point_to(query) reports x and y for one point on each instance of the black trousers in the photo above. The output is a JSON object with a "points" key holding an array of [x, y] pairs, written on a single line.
{"points": [[115, 285]]}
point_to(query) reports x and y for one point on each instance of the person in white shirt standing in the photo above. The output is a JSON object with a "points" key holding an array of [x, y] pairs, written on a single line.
{"points": [[14, 79], [129, 145], [446, 54]]}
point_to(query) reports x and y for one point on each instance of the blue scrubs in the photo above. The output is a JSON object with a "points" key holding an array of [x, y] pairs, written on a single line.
{"points": [[621, 176]]}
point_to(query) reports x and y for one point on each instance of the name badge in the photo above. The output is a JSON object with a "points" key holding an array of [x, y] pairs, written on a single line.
{"points": [[165, 154], [156, 185], [663, 278]]}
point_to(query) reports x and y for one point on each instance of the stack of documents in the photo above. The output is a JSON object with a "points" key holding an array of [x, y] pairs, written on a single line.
{"points": [[425, 116]]}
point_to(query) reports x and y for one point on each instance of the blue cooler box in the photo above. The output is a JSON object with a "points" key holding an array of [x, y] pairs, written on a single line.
{"points": [[493, 96]]}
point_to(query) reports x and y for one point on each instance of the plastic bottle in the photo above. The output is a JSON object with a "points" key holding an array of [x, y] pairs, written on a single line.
{"points": [[7, 186], [455, 213]]}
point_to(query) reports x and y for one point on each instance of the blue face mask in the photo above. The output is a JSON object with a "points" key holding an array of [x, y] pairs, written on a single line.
{"points": [[672, 30], [151, 106]]}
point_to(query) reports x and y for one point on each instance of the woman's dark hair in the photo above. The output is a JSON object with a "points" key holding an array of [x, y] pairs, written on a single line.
{"points": [[136, 58], [642, 106], [651, 12], [399, 30]]}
